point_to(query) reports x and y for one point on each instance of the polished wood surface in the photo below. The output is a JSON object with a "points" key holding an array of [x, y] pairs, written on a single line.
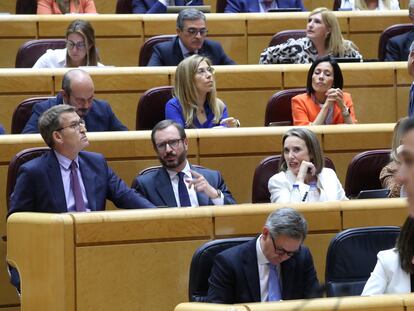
{"points": [[127, 256]]}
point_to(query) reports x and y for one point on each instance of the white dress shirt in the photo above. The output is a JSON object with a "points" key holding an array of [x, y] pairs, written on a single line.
{"points": [[191, 192], [394, 5], [54, 59], [263, 268]]}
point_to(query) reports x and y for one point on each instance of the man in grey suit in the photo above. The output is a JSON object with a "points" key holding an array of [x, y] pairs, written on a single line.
{"points": [[177, 183]]}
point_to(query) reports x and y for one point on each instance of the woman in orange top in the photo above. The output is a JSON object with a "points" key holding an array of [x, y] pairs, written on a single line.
{"points": [[65, 6], [324, 102]]}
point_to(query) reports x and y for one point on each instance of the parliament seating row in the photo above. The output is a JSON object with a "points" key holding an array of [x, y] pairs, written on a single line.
{"points": [[395, 302], [121, 258], [235, 152], [379, 90], [243, 36]]}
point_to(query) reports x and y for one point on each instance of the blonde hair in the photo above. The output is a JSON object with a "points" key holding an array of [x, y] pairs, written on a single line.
{"points": [[396, 139], [186, 91], [334, 42], [362, 5], [64, 9]]}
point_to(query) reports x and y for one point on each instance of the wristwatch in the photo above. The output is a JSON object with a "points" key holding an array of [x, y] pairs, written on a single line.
{"points": [[346, 113]]}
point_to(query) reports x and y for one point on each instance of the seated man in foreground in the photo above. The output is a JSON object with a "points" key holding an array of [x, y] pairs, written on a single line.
{"points": [[275, 266], [78, 91], [191, 39], [177, 183]]}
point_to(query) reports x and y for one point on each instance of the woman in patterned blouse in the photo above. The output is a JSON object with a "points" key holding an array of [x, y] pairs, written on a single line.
{"points": [[323, 37]]}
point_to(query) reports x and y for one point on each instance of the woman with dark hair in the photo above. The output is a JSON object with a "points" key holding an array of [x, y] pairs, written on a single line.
{"points": [[301, 165], [324, 101], [80, 48], [65, 6], [394, 270]]}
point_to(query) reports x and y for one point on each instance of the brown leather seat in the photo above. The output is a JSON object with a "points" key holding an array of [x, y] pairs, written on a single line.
{"points": [[387, 34], [30, 51], [18, 160], [146, 49], [283, 36], [23, 112], [151, 107], [336, 5], [123, 7], [364, 170], [279, 107], [26, 6], [220, 6], [266, 169]]}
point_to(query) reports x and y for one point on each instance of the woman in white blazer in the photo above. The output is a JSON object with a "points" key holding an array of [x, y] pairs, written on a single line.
{"points": [[302, 164], [392, 273]]}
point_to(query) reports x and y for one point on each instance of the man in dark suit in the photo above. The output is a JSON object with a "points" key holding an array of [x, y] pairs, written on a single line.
{"points": [[275, 266], [67, 179], [191, 33], [398, 47], [177, 183], [159, 6], [252, 6], [78, 91]]}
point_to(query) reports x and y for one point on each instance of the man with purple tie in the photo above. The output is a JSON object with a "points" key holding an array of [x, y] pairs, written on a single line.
{"points": [[274, 266], [159, 6]]}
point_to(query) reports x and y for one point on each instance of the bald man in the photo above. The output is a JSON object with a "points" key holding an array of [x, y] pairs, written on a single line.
{"points": [[78, 91]]}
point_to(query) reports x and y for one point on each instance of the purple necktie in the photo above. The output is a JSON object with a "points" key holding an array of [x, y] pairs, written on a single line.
{"points": [[76, 188]]}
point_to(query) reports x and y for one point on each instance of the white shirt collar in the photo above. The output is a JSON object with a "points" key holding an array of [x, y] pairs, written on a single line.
{"points": [[261, 258], [186, 170]]}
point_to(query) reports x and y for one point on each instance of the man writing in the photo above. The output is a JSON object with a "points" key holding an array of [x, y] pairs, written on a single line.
{"points": [[78, 91], [177, 183], [274, 266]]}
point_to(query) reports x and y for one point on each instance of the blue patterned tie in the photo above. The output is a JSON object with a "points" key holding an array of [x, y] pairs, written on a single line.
{"points": [[411, 102], [182, 191], [274, 284]]}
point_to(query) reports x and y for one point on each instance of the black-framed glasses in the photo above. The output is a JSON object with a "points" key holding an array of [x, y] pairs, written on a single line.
{"points": [[194, 31], [79, 45], [75, 125], [281, 251], [173, 143]]}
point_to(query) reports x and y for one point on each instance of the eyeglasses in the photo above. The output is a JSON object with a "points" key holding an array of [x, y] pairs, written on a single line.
{"points": [[204, 71], [281, 251], [79, 45], [195, 31], [75, 125], [173, 143]]}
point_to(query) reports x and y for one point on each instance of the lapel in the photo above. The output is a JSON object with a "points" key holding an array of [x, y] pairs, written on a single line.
{"points": [[56, 184], [177, 54], [254, 6], [250, 269], [288, 272], [88, 178], [164, 188]]}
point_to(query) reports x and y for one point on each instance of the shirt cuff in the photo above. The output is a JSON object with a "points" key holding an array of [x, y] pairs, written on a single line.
{"points": [[219, 200]]}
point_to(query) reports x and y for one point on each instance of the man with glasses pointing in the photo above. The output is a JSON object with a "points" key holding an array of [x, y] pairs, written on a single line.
{"points": [[274, 266], [177, 183], [191, 39], [78, 91]]}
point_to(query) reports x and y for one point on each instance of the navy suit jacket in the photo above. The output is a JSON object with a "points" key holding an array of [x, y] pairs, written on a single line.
{"points": [[251, 6], [100, 117], [156, 187], [398, 47], [169, 53], [39, 186], [234, 277], [154, 6]]}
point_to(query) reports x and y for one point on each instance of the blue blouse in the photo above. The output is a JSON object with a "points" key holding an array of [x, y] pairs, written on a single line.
{"points": [[173, 111]]}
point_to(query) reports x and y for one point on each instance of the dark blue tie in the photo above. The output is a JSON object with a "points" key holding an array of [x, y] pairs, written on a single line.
{"points": [[182, 191], [411, 102]]}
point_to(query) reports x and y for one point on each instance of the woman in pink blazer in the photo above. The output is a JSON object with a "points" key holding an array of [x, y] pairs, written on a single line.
{"points": [[60, 6]]}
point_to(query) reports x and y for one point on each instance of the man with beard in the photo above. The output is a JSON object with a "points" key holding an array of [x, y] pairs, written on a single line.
{"points": [[177, 183], [78, 91]]}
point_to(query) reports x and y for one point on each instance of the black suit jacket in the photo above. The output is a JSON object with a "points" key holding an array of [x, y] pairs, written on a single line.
{"points": [[235, 277], [169, 53], [398, 47], [156, 187]]}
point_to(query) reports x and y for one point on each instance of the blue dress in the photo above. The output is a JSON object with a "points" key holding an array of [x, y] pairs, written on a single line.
{"points": [[173, 111]]}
